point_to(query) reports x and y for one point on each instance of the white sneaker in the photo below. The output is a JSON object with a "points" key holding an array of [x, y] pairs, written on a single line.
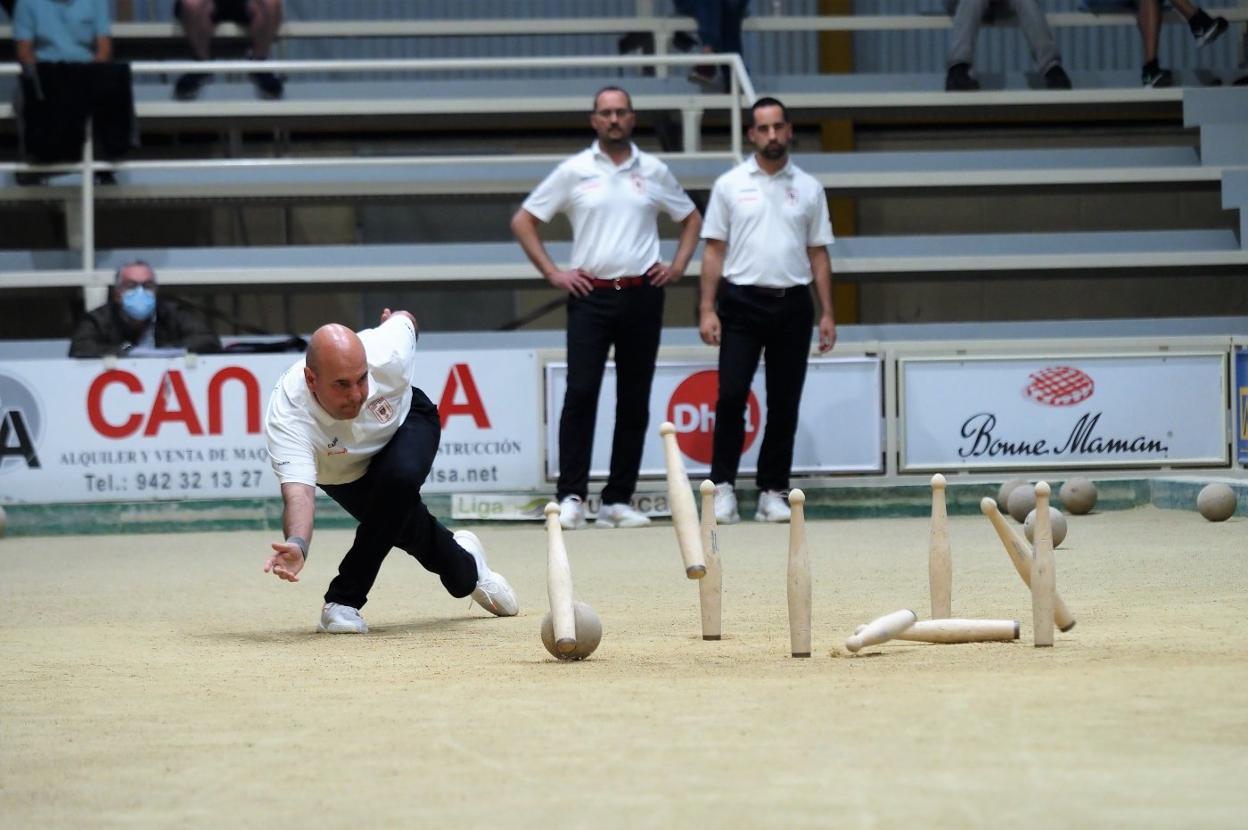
{"points": [[572, 513], [620, 515], [726, 505], [492, 592], [341, 619], [772, 507]]}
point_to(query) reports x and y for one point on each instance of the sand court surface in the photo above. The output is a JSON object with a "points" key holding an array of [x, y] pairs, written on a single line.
{"points": [[164, 681]]}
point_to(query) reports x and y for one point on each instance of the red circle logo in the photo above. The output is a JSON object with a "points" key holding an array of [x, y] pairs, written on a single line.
{"points": [[1059, 386], [692, 410]]}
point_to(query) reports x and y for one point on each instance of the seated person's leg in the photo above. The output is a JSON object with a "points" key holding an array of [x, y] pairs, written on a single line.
{"points": [[1044, 51], [1205, 29], [1148, 18], [967, 17], [265, 19], [198, 21], [198, 18]]}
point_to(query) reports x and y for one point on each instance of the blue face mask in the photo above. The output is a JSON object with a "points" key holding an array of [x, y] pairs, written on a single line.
{"points": [[138, 303]]}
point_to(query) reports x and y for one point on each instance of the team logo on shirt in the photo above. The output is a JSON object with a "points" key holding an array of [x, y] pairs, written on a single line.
{"points": [[639, 184], [334, 449], [382, 410], [790, 196]]}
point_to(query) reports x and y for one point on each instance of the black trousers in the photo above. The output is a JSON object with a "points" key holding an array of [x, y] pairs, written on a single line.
{"points": [[631, 320], [752, 323], [386, 502], [58, 98]]}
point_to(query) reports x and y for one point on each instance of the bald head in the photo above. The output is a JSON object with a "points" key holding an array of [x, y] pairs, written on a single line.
{"points": [[336, 371], [333, 342]]}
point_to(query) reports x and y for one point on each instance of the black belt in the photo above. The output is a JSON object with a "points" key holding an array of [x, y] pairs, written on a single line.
{"points": [[767, 290], [617, 284]]}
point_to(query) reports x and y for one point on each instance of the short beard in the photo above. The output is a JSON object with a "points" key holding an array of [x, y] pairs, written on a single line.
{"points": [[774, 153], [607, 141]]}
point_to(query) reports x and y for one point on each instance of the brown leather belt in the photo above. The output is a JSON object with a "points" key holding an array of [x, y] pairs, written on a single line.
{"points": [[617, 284]]}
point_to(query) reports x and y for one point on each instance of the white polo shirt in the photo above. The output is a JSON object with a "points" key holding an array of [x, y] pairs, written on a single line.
{"points": [[308, 446], [613, 210], [768, 222]]}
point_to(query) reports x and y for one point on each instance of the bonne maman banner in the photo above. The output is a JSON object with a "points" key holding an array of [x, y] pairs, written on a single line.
{"points": [[1021, 412]]}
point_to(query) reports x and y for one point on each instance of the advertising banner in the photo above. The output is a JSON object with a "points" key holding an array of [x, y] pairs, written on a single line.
{"points": [[840, 420], [1019, 412], [172, 428], [1241, 406]]}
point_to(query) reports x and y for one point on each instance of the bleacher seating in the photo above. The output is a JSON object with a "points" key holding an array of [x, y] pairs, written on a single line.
{"points": [[503, 104], [852, 172]]}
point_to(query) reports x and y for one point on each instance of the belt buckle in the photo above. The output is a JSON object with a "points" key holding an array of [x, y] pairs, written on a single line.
{"points": [[618, 285]]}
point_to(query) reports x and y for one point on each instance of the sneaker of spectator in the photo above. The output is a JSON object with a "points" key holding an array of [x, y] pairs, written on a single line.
{"points": [[1153, 75], [1206, 29], [1056, 78], [959, 79], [685, 43], [706, 74], [187, 87], [268, 85]]}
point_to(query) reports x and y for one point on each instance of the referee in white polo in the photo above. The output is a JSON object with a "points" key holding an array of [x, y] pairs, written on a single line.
{"points": [[347, 418], [767, 230], [612, 193]]}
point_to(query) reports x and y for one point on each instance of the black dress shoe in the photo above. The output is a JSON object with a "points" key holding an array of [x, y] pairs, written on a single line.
{"points": [[959, 79], [187, 87], [1056, 78], [269, 86]]}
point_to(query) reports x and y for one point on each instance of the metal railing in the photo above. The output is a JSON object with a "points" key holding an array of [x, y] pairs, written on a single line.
{"points": [[740, 93]]}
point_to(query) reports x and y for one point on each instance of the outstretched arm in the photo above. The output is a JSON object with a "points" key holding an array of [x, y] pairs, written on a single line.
{"points": [[298, 510]]}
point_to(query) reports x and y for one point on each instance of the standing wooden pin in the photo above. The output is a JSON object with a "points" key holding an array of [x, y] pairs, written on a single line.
{"points": [[1020, 555], [559, 584], [1043, 572], [799, 577], [680, 500], [939, 561], [710, 587]]}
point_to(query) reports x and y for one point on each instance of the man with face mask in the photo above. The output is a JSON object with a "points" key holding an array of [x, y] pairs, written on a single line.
{"points": [[134, 321], [767, 230], [347, 419]]}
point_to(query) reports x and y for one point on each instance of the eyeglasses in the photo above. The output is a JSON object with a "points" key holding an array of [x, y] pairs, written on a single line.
{"points": [[618, 113]]}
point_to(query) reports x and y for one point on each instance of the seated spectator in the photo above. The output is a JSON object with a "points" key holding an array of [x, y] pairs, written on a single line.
{"points": [[133, 321], [719, 30], [968, 15], [62, 31], [1205, 30], [65, 52], [262, 18]]}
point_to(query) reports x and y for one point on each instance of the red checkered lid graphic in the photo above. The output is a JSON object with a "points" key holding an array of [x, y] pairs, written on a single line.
{"points": [[1059, 386]]}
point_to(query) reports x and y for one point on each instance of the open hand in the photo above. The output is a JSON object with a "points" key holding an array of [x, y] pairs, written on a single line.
{"points": [[286, 562]]}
